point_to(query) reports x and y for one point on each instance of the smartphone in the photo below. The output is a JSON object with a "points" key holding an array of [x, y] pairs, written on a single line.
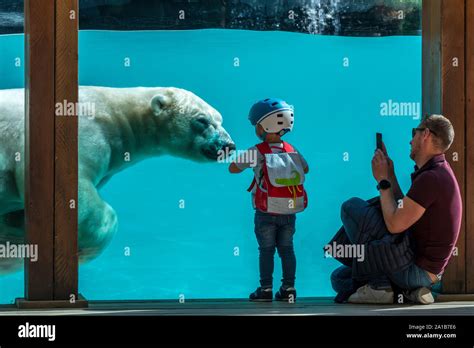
{"points": [[379, 140]]}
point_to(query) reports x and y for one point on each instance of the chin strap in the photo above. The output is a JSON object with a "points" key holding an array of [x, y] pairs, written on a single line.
{"points": [[283, 132]]}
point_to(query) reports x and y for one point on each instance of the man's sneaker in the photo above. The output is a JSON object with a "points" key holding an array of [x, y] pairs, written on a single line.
{"points": [[421, 295], [288, 294], [262, 295], [366, 294]]}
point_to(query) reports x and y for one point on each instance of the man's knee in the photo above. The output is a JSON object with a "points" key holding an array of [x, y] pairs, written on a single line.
{"points": [[352, 206], [353, 211]]}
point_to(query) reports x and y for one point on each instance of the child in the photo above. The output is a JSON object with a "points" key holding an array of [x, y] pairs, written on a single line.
{"points": [[277, 194]]}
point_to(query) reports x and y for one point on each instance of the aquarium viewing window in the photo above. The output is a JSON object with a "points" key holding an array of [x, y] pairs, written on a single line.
{"points": [[190, 235], [178, 226]]}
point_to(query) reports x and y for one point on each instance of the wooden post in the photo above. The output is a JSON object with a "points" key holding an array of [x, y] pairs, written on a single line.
{"points": [[470, 146], [444, 92], [51, 168], [66, 166], [431, 44], [453, 106], [39, 146]]}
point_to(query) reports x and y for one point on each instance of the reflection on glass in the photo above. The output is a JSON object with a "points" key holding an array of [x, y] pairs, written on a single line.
{"points": [[185, 226], [11, 150], [160, 217]]}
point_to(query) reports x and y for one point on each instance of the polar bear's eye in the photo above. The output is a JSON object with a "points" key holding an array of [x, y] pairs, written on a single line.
{"points": [[203, 122]]}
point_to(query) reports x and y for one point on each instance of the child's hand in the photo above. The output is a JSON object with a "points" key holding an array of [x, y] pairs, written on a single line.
{"points": [[234, 169]]}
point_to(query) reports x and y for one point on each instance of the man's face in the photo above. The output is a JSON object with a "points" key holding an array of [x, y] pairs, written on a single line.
{"points": [[416, 143]]}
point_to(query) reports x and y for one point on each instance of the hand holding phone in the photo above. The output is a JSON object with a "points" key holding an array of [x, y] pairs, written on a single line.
{"points": [[381, 146]]}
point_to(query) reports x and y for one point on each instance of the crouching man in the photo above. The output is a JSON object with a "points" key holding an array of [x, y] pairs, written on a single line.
{"points": [[408, 239]]}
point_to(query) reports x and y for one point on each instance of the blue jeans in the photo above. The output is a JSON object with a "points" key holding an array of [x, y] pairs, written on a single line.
{"points": [[275, 232], [353, 215], [411, 278]]}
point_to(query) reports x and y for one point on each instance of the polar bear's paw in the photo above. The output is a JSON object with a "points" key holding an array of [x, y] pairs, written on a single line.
{"points": [[98, 222], [98, 234]]}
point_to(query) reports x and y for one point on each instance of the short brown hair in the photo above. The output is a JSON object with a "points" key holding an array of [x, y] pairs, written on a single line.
{"points": [[442, 128]]}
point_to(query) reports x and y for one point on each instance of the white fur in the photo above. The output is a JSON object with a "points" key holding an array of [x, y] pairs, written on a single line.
{"points": [[141, 122]]}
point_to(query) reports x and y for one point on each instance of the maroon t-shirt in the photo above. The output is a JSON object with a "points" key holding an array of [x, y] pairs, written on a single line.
{"points": [[436, 189]]}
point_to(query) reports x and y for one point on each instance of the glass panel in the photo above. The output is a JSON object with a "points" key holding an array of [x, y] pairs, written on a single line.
{"points": [[185, 225], [11, 151]]}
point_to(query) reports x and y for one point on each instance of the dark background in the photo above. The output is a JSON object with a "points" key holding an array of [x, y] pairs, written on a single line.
{"points": [[329, 17]]}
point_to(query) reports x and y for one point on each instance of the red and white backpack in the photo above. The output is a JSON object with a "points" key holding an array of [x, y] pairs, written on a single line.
{"points": [[280, 187]]}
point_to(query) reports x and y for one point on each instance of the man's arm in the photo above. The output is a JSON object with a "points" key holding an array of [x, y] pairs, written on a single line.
{"points": [[397, 217], [397, 191]]}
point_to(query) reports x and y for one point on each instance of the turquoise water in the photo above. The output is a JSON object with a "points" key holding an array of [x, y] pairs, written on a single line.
{"points": [[192, 251]]}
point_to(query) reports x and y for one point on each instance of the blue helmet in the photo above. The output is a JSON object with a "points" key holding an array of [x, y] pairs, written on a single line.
{"points": [[274, 114]]}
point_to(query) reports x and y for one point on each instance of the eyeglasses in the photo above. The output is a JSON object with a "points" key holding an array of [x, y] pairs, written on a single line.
{"points": [[413, 131]]}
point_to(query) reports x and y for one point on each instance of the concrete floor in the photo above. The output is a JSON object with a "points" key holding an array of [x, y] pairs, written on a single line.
{"points": [[303, 306]]}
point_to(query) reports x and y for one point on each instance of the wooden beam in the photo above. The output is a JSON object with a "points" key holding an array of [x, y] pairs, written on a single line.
{"points": [[431, 48], [444, 92], [51, 168], [453, 107], [470, 146], [66, 165], [39, 146]]}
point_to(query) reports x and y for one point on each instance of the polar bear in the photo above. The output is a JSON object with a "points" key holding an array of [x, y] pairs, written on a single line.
{"points": [[123, 127]]}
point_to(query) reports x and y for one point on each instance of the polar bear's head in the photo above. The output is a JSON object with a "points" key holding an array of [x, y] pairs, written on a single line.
{"points": [[189, 127]]}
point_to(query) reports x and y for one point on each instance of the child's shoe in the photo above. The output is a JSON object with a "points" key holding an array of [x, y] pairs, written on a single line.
{"points": [[262, 295], [286, 294]]}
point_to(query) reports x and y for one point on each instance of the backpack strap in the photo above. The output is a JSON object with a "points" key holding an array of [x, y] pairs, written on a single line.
{"points": [[287, 147], [264, 148], [252, 185]]}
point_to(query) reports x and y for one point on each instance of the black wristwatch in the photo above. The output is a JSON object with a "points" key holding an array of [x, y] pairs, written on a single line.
{"points": [[383, 185]]}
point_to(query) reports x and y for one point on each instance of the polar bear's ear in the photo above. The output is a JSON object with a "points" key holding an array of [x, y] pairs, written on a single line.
{"points": [[160, 102]]}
